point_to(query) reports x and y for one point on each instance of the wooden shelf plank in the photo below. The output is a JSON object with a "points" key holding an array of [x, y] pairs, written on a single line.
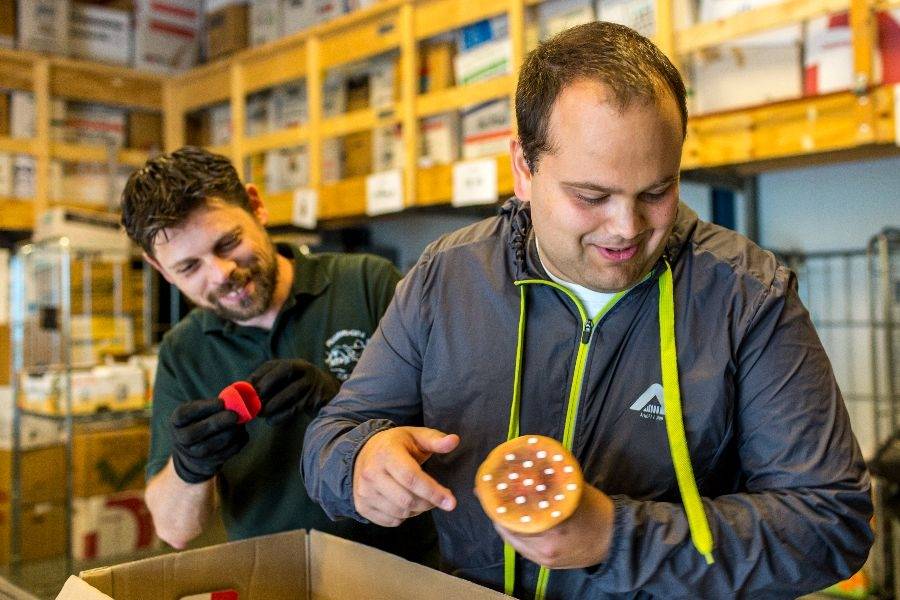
{"points": [[357, 120], [90, 153], [437, 16], [285, 138], [16, 69], [91, 82], [17, 145], [782, 14], [16, 213], [280, 207], [345, 45], [795, 128], [461, 96], [345, 198], [435, 184], [202, 87], [268, 70]]}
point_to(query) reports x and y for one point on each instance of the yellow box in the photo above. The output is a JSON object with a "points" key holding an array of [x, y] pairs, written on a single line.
{"points": [[42, 531], [104, 462], [42, 473]]}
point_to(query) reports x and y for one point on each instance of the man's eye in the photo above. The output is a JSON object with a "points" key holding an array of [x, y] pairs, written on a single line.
{"points": [[229, 243], [656, 194], [592, 200], [190, 267]]}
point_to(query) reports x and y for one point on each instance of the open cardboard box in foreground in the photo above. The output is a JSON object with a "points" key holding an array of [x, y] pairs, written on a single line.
{"points": [[291, 565]]}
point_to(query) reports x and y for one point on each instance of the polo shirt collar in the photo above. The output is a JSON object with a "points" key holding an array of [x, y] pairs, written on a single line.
{"points": [[310, 279]]}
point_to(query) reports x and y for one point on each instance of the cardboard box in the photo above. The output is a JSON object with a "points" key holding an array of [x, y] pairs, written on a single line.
{"points": [[387, 148], [226, 31], [85, 229], [289, 106], [44, 25], [111, 525], [297, 15], [7, 23], [220, 124], [101, 34], [4, 112], [334, 94], [92, 390], [266, 17], [21, 114], [486, 129], [5, 353], [326, 10], [727, 78], [167, 34], [282, 566], [332, 160], [558, 15], [287, 169], [110, 461], [258, 113], [713, 10], [384, 82], [6, 182], [358, 154], [440, 139], [482, 32], [640, 15], [145, 130], [42, 533], [23, 177], [828, 53], [34, 432], [42, 475], [485, 61], [436, 71], [81, 123]]}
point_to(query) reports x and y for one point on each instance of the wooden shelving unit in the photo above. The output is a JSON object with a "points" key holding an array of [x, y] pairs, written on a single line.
{"points": [[49, 77], [802, 131]]}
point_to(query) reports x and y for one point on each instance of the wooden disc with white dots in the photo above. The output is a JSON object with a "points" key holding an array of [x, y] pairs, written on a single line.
{"points": [[529, 484]]}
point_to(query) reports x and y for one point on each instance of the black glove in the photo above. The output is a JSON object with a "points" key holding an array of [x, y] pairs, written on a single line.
{"points": [[204, 435], [286, 386]]}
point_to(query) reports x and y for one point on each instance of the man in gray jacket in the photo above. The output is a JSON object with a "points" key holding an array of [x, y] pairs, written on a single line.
{"points": [[673, 357]]}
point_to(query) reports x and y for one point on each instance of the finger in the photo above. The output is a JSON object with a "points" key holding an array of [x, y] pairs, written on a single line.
{"points": [[213, 444], [208, 427], [395, 500], [195, 410], [433, 441], [268, 375], [409, 475], [291, 395], [377, 516]]}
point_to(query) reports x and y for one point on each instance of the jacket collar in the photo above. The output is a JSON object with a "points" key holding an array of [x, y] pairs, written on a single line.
{"points": [[310, 279]]}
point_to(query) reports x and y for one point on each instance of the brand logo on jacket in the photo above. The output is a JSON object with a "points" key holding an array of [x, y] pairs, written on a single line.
{"points": [[342, 351], [650, 404]]}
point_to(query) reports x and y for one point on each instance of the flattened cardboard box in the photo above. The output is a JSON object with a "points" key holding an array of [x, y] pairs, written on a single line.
{"points": [[283, 566]]}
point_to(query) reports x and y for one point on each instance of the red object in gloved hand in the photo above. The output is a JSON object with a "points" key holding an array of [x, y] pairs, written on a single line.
{"points": [[241, 398]]}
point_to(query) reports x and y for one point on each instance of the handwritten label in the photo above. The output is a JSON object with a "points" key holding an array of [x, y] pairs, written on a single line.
{"points": [[384, 192], [475, 182], [305, 208]]}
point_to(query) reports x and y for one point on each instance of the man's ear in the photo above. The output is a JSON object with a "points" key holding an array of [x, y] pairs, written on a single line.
{"points": [[155, 264], [521, 171], [257, 206]]}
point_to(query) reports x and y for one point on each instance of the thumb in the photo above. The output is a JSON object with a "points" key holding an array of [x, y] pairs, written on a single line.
{"points": [[434, 441]]}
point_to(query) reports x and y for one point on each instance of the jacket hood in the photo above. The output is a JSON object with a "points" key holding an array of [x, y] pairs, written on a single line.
{"points": [[524, 250]]}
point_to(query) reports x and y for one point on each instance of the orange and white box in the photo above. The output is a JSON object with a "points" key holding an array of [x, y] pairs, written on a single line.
{"points": [[111, 525], [167, 34], [486, 129]]}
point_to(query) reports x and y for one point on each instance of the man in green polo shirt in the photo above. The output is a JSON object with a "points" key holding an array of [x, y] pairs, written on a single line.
{"points": [[291, 324]]}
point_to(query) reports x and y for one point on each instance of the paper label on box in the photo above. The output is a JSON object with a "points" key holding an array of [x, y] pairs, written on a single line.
{"points": [[4, 288], [475, 182], [384, 192], [305, 208]]}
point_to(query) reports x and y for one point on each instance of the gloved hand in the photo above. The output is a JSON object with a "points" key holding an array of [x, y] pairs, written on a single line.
{"points": [[286, 386], [204, 435]]}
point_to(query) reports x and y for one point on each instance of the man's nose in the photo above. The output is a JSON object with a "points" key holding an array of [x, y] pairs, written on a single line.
{"points": [[221, 270], [625, 222]]}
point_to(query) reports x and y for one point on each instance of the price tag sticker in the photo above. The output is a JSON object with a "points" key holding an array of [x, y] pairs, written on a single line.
{"points": [[384, 192], [474, 182], [305, 208]]}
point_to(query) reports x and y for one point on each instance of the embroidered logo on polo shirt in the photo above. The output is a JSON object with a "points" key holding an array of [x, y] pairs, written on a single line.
{"points": [[342, 351], [650, 403]]}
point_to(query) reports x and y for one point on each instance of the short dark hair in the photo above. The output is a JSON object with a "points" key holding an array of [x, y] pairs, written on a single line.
{"points": [[170, 187], [629, 64]]}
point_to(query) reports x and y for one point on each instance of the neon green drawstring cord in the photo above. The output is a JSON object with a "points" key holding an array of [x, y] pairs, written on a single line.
{"points": [[701, 535]]}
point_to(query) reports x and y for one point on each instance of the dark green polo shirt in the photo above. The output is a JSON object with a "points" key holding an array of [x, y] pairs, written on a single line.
{"points": [[334, 307]]}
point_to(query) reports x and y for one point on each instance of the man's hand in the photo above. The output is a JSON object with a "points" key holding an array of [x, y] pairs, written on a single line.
{"points": [[204, 435], [582, 540], [389, 485], [286, 386]]}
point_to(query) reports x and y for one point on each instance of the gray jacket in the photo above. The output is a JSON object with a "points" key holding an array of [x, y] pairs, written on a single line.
{"points": [[783, 482]]}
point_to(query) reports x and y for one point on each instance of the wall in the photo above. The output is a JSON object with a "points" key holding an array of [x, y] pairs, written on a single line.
{"points": [[830, 207]]}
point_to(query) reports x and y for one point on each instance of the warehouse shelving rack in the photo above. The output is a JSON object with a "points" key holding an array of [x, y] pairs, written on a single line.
{"points": [[51, 76]]}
